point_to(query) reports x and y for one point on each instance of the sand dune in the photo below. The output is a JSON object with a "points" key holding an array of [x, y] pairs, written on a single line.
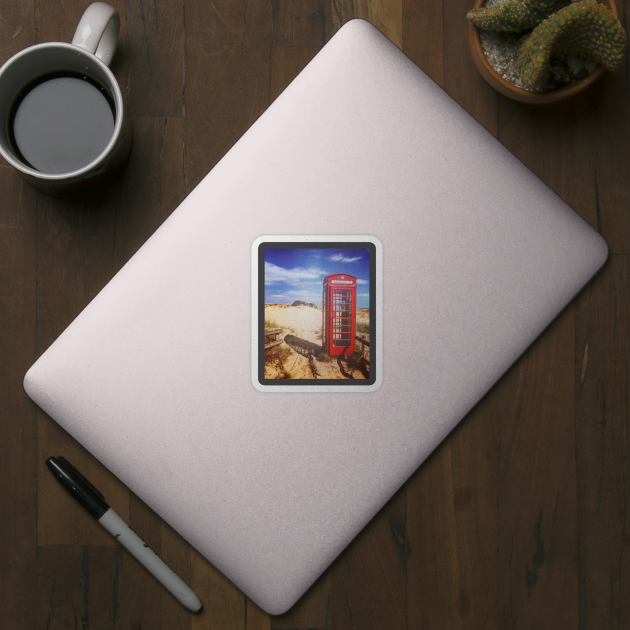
{"points": [[302, 321]]}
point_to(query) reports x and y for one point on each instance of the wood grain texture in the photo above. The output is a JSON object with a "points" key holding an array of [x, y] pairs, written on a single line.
{"points": [[537, 510], [452, 515], [519, 519], [76, 587], [154, 57], [574, 150], [609, 134], [422, 36], [369, 577], [18, 416], [17, 28], [300, 23], [602, 381], [226, 78]]}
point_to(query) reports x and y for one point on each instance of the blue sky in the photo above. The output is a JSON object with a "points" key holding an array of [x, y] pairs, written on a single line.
{"points": [[298, 274]]}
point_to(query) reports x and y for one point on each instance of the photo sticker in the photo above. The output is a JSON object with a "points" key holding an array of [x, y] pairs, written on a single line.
{"points": [[316, 313]]}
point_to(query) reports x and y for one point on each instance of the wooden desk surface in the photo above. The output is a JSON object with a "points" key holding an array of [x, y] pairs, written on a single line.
{"points": [[518, 520]]}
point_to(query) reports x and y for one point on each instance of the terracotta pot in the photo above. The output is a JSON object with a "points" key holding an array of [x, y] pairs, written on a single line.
{"points": [[518, 94]]}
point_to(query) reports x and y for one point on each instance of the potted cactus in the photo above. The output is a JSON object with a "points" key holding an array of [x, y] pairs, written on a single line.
{"points": [[558, 49]]}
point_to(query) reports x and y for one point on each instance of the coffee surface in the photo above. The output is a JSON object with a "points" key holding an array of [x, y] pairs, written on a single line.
{"points": [[62, 124]]}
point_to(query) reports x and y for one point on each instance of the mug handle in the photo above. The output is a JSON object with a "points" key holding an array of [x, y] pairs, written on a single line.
{"points": [[98, 30]]}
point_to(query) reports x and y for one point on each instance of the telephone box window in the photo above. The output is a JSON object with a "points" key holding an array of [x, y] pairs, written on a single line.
{"points": [[339, 314]]}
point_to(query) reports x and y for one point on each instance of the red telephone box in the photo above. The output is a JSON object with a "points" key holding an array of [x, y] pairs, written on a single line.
{"points": [[339, 314]]}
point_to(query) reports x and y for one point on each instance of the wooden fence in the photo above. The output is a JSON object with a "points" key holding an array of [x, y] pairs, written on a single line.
{"points": [[271, 337]]}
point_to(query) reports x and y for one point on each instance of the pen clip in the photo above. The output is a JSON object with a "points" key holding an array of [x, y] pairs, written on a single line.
{"points": [[69, 466]]}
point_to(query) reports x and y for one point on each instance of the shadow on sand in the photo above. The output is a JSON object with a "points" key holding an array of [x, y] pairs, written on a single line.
{"points": [[302, 346], [347, 365]]}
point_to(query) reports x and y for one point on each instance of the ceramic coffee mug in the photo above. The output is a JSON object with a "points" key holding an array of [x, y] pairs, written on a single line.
{"points": [[62, 115]]}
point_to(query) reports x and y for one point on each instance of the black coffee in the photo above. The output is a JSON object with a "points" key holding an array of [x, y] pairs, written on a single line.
{"points": [[61, 123]]}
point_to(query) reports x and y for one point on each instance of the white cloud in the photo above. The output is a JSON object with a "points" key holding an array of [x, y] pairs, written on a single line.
{"points": [[275, 274], [343, 259], [359, 281], [363, 295]]}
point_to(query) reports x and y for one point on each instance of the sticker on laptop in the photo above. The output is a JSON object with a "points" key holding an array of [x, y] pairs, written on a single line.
{"points": [[317, 313]]}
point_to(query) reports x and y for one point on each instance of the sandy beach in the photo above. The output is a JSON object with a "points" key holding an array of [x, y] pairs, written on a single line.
{"points": [[301, 355]]}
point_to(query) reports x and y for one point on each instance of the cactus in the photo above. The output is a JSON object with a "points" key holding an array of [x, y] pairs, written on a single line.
{"points": [[584, 29], [513, 16]]}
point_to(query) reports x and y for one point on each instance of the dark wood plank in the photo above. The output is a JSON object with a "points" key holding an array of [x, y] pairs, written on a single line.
{"points": [[608, 127], [18, 415], [300, 23], [18, 421], [226, 78], [452, 527], [561, 148], [537, 537], [422, 36], [565, 146], [255, 618], [603, 442], [17, 28], [386, 15], [369, 577], [607, 124], [76, 587], [154, 57]]}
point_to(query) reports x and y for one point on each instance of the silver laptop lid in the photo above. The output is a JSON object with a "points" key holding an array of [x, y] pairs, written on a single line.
{"points": [[471, 258]]}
